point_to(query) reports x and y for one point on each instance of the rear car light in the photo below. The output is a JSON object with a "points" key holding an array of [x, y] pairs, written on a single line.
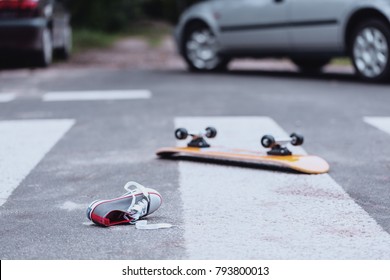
{"points": [[29, 4], [18, 8], [18, 4]]}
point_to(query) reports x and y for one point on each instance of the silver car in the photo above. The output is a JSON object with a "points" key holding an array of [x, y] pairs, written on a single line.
{"points": [[310, 32]]}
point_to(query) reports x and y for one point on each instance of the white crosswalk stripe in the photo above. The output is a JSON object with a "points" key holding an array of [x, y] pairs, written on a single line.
{"points": [[238, 213], [6, 97], [96, 95], [382, 123], [23, 144]]}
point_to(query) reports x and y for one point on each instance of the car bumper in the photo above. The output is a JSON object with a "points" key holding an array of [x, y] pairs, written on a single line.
{"points": [[21, 35]]}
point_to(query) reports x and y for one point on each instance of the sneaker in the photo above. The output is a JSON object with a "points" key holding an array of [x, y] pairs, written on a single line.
{"points": [[136, 203]]}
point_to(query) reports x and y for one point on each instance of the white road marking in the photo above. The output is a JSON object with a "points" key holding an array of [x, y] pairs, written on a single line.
{"points": [[96, 95], [23, 144], [243, 213], [382, 123], [6, 97]]}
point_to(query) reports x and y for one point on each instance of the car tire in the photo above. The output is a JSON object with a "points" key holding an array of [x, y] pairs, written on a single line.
{"points": [[199, 49], [65, 50], [370, 50], [308, 65], [44, 56]]}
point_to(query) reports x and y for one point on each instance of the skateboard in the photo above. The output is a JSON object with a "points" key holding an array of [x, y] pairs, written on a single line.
{"points": [[278, 154]]}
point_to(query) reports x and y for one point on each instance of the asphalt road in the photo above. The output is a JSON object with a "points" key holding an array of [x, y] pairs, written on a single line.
{"points": [[105, 143]]}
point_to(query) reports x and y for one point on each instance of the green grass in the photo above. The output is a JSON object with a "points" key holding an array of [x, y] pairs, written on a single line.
{"points": [[153, 33], [341, 61], [84, 39]]}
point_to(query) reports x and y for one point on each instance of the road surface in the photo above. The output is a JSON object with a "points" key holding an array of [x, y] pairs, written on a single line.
{"points": [[70, 136]]}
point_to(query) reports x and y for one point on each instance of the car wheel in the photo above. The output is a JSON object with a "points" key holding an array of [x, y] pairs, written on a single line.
{"points": [[370, 44], [66, 49], [308, 65], [44, 56], [200, 50]]}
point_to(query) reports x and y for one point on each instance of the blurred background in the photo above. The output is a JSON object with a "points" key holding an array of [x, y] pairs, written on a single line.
{"points": [[96, 25], [131, 34], [100, 22], [108, 16]]}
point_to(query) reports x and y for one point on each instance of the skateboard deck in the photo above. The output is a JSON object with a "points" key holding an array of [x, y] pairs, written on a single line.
{"points": [[307, 164]]}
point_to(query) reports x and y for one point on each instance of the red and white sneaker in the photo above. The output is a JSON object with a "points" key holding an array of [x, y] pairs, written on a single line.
{"points": [[136, 203]]}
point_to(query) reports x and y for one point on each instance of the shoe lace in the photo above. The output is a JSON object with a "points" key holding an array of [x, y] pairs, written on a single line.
{"points": [[136, 209], [139, 209], [134, 187]]}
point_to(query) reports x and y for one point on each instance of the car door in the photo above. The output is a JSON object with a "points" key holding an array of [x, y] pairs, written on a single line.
{"points": [[316, 24], [253, 24]]}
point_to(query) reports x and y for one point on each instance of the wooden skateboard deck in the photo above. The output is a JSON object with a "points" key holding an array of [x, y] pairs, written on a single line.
{"points": [[302, 163]]}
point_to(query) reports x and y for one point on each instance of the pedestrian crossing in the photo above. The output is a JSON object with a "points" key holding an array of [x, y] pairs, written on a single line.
{"points": [[97, 95], [381, 123], [7, 97], [23, 144], [232, 212], [238, 213]]}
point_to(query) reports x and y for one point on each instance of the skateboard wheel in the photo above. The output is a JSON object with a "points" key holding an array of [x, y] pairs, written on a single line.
{"points": [[296, 139], [267, 141], [211, 132], [181, 133]]}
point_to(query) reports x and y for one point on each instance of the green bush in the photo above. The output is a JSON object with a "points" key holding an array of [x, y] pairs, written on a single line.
{"points": [[104, 15], [84, 39], [115, 15], [160, 9]]}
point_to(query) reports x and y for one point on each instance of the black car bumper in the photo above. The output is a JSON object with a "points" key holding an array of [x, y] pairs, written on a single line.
{"points": [[21, 34]]}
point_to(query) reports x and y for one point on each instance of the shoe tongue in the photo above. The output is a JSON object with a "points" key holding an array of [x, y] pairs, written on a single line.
{"points": [[139, 209]]}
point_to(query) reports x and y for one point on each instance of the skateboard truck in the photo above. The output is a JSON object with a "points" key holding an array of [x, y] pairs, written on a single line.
{"points": [[198, 139], [278, 146]]}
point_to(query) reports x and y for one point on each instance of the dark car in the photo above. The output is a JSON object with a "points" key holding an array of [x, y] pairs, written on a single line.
{"points": [[35, 27]]}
